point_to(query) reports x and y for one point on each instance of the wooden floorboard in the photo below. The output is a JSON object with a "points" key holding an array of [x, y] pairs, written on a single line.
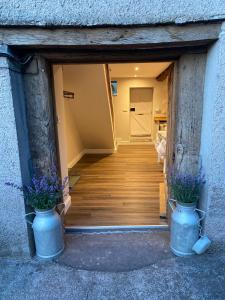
{"points": [[117, 189]]}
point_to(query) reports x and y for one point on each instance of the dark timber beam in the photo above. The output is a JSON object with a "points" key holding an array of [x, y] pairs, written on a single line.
{"points": [[189, 103], [113, 56], [40, 114], [162, 76], [155, 36]]}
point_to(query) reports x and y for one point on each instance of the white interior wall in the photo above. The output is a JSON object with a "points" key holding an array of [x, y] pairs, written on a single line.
{"points": [[165, 96], [88, 117], [75, 146], [121, 103], [70, 143], [59, 102], [61, 129]]}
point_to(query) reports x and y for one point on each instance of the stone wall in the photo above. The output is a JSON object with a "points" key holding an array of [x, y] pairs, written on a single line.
{"points": [[13, 229], [108, 12], [59, 13], [213, 140]]}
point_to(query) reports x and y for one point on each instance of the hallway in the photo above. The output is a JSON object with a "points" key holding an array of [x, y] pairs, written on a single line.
{"points": [[117, 189]]}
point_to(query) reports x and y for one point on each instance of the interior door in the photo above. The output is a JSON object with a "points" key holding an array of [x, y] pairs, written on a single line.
{"points": [[141, 111]]}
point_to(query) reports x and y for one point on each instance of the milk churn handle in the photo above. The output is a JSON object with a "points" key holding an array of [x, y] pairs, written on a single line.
{"points": [[171, 203], [202, 212], [29, 214], [62, 211]]}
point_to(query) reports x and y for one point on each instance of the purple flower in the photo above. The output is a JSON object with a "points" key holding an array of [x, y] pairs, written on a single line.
{"points": [[185, 187], [45, 191]]}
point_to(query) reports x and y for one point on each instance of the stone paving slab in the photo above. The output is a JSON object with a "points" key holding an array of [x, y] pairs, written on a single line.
{"points": [[168, 277]]}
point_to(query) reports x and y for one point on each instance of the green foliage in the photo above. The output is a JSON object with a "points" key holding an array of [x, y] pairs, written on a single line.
{"points": [[185, 188], [42, 201]]}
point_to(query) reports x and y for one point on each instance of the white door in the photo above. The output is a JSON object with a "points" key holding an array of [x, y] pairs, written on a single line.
{"points": [[59, 99], [141, 111]]}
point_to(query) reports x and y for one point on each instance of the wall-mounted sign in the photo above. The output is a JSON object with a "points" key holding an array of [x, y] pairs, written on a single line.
{"points": [[69, 95], [114, 85]]}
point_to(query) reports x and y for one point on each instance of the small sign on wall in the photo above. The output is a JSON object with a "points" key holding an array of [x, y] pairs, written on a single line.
{"points": [[68, 95], [114, 85]]}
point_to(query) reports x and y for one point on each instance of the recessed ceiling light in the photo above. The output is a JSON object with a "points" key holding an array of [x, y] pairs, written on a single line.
{"points": [[136, 68]]}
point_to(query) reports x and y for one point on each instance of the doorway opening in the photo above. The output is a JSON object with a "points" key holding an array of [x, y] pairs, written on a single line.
{"points": [[112, 136]]}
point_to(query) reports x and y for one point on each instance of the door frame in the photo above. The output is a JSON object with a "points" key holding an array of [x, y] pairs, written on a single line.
{"points": [[110, 56], [57, 84]]}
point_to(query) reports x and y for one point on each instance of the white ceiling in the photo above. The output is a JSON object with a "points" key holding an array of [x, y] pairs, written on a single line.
{"points": [[151, 70]]}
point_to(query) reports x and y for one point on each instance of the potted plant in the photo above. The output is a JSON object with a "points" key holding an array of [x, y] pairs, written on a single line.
{"points": [[44, 194], [185, 221]]}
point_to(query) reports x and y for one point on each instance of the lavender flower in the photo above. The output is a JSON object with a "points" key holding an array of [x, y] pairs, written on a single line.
{"points": [[185, 188], [44, 192]]}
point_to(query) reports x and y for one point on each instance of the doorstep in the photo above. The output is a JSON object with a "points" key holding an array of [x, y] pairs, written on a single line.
{"points": [[115, 229]]}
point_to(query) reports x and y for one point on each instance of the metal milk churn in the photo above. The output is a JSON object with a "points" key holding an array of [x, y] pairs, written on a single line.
{"points": [[48, 233], [185, 225]]}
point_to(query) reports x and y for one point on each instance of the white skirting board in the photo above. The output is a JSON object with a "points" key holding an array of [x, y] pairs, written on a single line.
{"points": [[121, 142], [100, 151], [76, 159], [89, 151]]}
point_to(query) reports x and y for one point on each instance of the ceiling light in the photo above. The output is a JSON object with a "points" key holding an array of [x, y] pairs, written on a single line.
{"points": [[135, 75], [136, 69]]}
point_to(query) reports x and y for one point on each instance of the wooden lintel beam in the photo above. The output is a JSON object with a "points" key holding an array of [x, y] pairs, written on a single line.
{"points": [[156, 36]]}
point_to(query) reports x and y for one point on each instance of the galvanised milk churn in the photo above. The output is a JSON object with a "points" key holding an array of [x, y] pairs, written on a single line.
{"points": [[185, 225], [48, 233]]}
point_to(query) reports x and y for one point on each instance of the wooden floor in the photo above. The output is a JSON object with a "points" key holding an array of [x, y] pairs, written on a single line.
{"points": [[117, 189]]}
